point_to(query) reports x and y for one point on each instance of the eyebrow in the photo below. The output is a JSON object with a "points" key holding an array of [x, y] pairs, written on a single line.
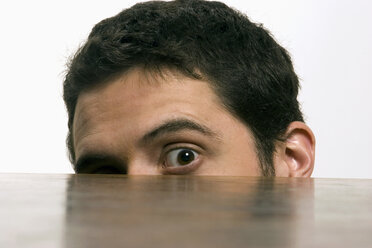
{"points": [[177, 125], [87, 161]]}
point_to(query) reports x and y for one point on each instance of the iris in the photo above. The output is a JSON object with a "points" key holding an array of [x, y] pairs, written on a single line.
{"points": [[185, 156]]}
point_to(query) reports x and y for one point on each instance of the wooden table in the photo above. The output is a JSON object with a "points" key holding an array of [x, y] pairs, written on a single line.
{"points": [[183, 211]]}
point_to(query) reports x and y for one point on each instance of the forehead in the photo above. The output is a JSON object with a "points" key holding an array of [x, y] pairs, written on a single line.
{"points": [[137, 84], [144, 92], [138, 100]]}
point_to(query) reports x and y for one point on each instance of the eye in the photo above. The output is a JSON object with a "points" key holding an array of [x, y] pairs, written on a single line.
{"points": [[107, 170], [180, 157]]}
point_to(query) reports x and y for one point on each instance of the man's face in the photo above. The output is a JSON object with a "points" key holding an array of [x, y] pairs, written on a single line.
{"points": [[143, 123]]}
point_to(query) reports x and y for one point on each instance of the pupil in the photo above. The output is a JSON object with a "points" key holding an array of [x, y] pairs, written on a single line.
{"points": [[185, 157]]}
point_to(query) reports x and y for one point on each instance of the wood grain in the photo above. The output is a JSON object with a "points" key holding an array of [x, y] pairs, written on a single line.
{"points": [[183, 211]]}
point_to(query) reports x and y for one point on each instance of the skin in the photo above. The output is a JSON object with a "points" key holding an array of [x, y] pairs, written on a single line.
{"points": [[145, 124]]}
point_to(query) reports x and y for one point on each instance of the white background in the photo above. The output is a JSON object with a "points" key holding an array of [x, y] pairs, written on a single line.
{"points": [[330, 43]]}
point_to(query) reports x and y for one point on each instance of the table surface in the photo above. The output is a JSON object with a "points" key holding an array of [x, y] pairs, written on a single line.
{"points": [[49, 210]]}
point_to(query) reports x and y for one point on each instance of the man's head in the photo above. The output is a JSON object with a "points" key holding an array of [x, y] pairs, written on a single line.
{"points": [[185, 72]]}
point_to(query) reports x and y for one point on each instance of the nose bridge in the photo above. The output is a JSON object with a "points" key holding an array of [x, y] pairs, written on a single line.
{"points": [[141, 167]]}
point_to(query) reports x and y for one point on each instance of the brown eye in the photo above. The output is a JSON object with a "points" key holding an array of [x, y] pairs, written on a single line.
{"points": [[180, 157]]}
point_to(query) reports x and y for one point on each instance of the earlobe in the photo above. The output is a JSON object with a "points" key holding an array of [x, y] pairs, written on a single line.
{"points": [[298, 150]]}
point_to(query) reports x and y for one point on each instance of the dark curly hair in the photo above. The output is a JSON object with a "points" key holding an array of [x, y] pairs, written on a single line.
{"points": [[251, 73]]}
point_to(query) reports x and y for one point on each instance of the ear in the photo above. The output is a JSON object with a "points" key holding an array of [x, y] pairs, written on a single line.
{"points": [[295, 156]]}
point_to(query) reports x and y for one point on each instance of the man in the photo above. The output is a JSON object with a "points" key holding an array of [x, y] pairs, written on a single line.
{"points": [[185, 87]]}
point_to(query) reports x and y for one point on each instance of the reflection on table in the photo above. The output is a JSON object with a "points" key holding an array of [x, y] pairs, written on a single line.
{"points": [[183, 211]]}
